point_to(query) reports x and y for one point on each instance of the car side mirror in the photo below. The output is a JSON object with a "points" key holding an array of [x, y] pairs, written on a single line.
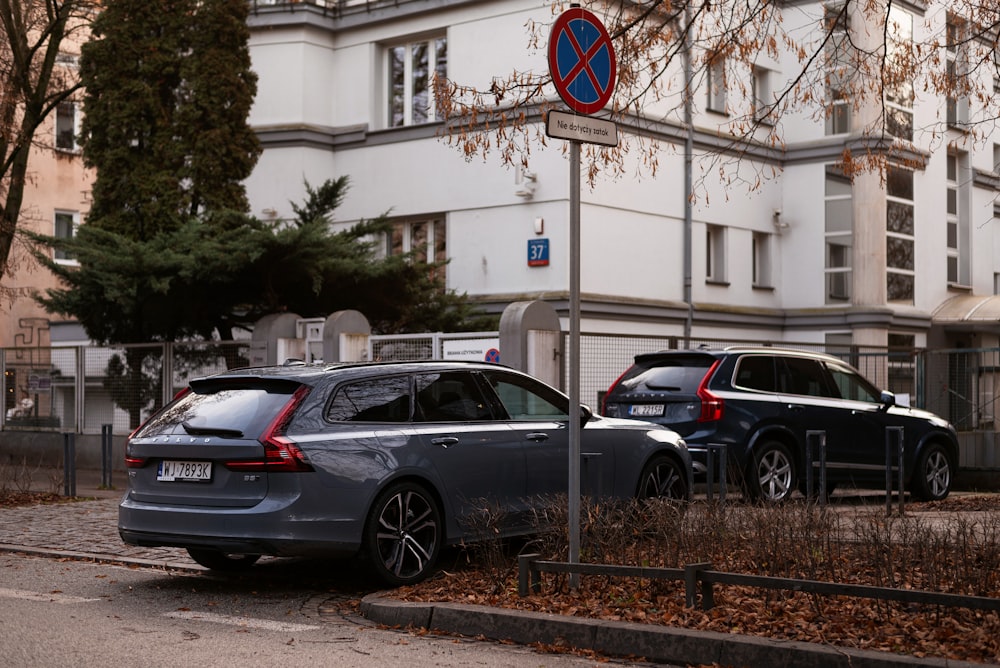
{"points": [[585, 414], [888, 400]]}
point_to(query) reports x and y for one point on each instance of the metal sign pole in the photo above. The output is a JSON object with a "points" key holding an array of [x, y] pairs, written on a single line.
{"points": [[574, 359], [583, 66]]}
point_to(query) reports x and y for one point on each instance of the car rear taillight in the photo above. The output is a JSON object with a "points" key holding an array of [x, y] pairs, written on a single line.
{"points": [[131, 461], [280, 453], [711, 405], [604, 402]]}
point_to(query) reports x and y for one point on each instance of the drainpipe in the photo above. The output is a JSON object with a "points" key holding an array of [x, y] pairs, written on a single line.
{"points": [[688, 163]]}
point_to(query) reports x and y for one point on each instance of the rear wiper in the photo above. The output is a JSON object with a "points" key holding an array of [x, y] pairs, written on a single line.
{"points": [[665, 388], [211, 431]]}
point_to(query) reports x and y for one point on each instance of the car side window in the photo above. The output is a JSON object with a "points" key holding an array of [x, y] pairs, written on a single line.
{"points": [[797, 375], [756, 372], [373, 400], [852, 386], [526, 400], [449, 397]]}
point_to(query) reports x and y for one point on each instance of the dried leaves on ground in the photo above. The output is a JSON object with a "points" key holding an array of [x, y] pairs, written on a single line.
{"points": [[960, 554]]}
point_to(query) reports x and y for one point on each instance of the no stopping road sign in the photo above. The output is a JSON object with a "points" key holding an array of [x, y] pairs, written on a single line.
{"points": [[582, 61]]}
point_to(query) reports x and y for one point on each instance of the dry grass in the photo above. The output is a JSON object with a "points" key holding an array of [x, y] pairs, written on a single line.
{"points": [[951, 546]]}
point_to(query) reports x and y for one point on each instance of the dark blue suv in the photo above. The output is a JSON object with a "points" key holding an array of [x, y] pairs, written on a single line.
{"points": [[759, 403]]}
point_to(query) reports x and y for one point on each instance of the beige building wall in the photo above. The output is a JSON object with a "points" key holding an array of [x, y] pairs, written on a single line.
{"points": [[58, 187], [59, 183]]}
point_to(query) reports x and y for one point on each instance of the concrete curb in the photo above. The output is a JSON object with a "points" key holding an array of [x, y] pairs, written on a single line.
{"points": [[658, 644], [102, 558]]}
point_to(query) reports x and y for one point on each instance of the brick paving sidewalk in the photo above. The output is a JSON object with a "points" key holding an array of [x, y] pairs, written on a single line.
{"points": [[79, 527]]}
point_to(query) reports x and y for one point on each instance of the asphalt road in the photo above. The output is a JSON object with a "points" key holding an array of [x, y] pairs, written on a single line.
{"points": [[62, 613]]}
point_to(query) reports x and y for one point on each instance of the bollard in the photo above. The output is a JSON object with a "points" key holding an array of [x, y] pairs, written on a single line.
{"points": [[818, 437], [710, 451], [106, 449], [893, 453], [69, 464]]}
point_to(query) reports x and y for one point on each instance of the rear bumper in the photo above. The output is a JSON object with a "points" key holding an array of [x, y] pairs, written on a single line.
{"points": [[280, 548], [277, 531]]}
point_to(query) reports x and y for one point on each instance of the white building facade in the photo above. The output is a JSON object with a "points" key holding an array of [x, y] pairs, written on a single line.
{"points": [[801, 255]]}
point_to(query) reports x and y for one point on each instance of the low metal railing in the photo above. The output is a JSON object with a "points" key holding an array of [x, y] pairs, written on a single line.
{"points": [[700, 579]]}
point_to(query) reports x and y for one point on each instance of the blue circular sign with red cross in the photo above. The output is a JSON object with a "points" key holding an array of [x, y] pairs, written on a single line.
{"points": [[582, 61]]}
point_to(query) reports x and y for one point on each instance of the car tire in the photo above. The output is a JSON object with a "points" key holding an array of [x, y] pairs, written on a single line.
{"points": [[932, 475], [225, 562], [771, 476], [403, 534], [663, 478]]}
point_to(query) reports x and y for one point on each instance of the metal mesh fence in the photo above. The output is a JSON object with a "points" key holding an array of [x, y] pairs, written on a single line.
{"points": [[81, 388], [963, 385]]}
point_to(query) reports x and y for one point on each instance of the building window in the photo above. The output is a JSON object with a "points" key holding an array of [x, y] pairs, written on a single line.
{"points": [[413, 68], [899, 232], [956, 104], [425, 240], [957, 221], [65, 228], [715, 80], [763, 96], [66, 126], [839, 236], [899, 90], [715, 256], [761, 260], [840, 70]]}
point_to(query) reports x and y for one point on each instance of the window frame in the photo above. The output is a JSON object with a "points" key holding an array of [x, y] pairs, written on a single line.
{"points": [[432, 43], [838, 116], [761, 94], [60, 256], [905, 277], [762, 274], [60, 131], [899, 102], [715, 84], [837, 278], [956, 217], [956, 66], [715, 254]]}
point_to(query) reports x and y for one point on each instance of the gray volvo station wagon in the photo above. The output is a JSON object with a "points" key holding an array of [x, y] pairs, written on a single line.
{"points": [[389, 459]]}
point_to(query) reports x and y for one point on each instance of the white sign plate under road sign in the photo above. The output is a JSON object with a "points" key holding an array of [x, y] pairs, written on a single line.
{"points": [[563, 125]]}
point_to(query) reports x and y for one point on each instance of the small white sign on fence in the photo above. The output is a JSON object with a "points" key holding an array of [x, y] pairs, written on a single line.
{"points": [[469, 350]]}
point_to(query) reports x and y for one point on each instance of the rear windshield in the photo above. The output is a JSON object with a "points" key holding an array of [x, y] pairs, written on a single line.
{"points": [[238, 412], [683, 375]]}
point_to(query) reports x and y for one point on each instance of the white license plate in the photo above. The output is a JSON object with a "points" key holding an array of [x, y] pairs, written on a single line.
{"points": [[173, 470], [645, 410]]}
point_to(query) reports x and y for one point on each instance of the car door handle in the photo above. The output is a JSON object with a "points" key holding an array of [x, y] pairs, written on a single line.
{"points": [[445, 441], [796, 408], [537, 436]]}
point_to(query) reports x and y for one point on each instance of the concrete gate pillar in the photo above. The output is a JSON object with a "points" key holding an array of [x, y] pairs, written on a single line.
{"points": [[345, 337], [275, 339], [531, 340]]}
